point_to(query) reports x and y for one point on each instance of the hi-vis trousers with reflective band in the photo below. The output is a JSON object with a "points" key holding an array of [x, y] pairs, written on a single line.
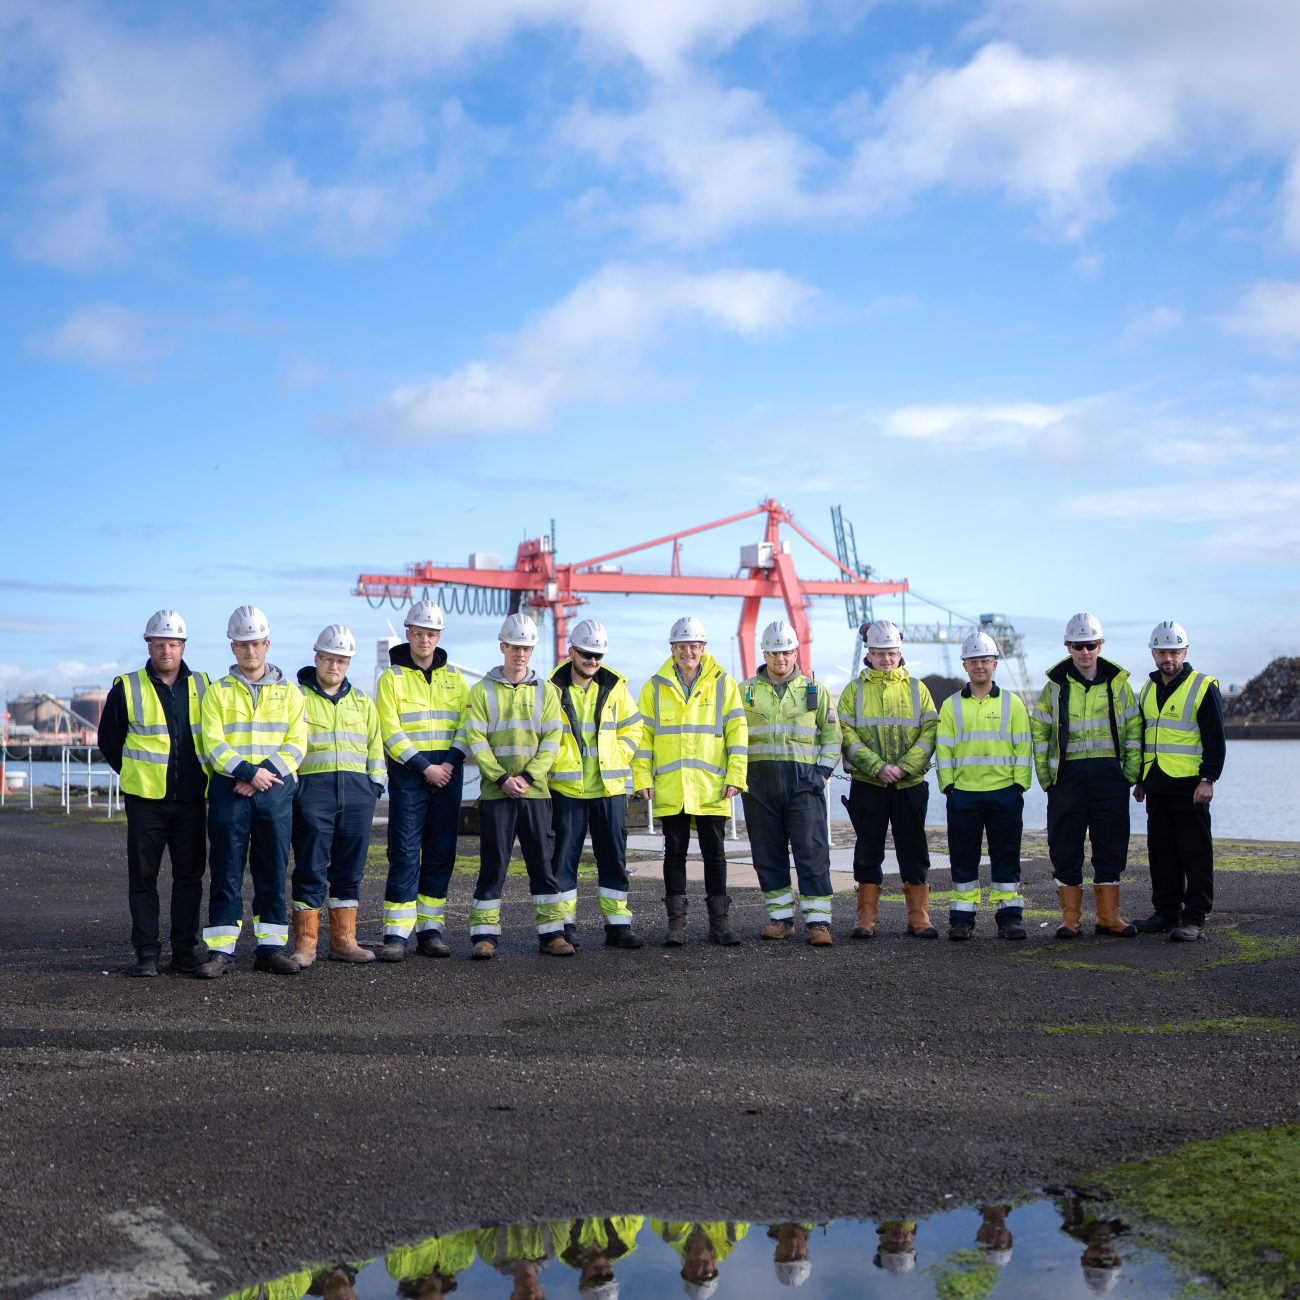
{"points": [[606, 820], [971, 815], [332, 816], [423, 821], [252, 831], [799, 830], [499, 821]]}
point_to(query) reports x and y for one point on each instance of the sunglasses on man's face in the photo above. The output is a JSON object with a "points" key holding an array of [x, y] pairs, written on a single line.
{"points": [[1085, 645], [586, 654]]}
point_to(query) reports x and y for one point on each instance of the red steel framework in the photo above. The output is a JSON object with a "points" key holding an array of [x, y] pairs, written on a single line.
{"points": [[544, 584]]}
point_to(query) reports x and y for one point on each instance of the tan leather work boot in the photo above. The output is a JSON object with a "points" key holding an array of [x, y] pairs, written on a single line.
{"points": [[559, 946], [1109, 920], [820, 936], [306, 931], [781, 929], [343, 937], [868, 911], [1071, 897], [483, 950], [918, 912]]}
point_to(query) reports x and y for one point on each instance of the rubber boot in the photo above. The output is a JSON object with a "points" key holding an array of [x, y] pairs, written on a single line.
{"points": [[306, 931], [918, 912], [1109, 920], [719, 927], [622, 936], [819, 936], [343, 937], [676, 905], [1071, 897], [777, 930], [868, 911]]}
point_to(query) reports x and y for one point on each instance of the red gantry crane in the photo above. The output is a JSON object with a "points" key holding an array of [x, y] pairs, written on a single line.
{"points": [[538, 583]]}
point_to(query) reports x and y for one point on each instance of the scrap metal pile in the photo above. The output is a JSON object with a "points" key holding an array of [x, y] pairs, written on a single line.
{"points": [[1270, 696]]}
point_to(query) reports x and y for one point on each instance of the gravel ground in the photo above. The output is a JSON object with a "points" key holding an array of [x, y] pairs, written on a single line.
{"points": [[262, 1119]]}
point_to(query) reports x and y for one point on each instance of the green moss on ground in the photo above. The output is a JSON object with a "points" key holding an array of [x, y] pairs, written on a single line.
{"points": [[1226, 1212], [964, 1275], [1265, 863], [1232, 1025], [1253, 948]]}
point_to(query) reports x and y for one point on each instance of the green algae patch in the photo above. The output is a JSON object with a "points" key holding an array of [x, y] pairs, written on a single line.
{"points": [[1262, 863], [964, 1275], [1231, 1025], [1225, 1213], [1254, 948]]}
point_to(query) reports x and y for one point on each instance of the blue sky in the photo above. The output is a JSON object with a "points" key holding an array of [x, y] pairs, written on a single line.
{"points": [[291, 298]]}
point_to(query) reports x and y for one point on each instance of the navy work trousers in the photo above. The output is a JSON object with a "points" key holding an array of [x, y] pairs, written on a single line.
{"points": [[999, 814], [874, 809], [153, 825], [1181, 853], [1090, 797], [606, 820], [500, 821], [799, 830], [423, 822], [711, 831], [248, 832], [332, 816]]}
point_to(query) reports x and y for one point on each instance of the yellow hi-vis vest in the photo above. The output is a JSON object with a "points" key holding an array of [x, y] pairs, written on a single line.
{"points": [[691, 748], [1172, 733], [236, 732], [342, 735], [984, 744], [148, 744]]}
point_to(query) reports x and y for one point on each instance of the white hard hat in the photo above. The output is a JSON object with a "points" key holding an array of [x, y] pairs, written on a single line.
{"points": [[336, 640], [518, 629], [1164, 636], [979, 645], [1000, 1257], [883, 635], [166, 623], [605, 1291], [248, 623], [1100, 1281], [687, 629], [793, 1272], [590, 635], [424, 613], [1083, 627], [779, 636], [897, 1263], [700, 1290]]}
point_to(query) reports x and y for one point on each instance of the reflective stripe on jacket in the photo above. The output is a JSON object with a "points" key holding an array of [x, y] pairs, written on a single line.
{"points": [[606, 719], [239, 737], [342, 731], [984, 744], [887, 719], [447, 1256], [1171, 733], [419, 717], [148, 746], [691, 748], [1095, 720], [722, 1236], [513, 731], [783, 729]]}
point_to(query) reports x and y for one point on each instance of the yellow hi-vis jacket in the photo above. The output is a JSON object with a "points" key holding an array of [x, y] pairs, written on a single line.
{"points": [[613, 1237], [342, 731], [887, 719], [422, 717], [722, 1236], [984, 744], [1172, 733], [148, 745], [792, 734], [1100, 721], [602, 730], [691, 748], [447, 1256], [250, 726], [513, 730]]}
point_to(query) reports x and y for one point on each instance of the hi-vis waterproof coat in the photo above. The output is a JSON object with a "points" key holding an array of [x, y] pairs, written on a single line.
{"points": [[691, 748]]}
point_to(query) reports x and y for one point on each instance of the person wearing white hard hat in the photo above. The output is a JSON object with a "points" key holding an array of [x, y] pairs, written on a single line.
{"points": [[889, 722], [984, 755], [428, 1269], [602, 730], [794, 746], [702, 1248], [1087, 731], [334, 807], [993, 1238], [255, 736], [520, 1251], [896, 1253], [790, 1256], [1100, 1261], [1183, 751], [692, 762], [513, 723], [421, 699], [594, 1246], [150, 733]]}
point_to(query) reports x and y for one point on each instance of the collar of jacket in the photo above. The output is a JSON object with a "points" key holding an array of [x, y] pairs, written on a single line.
{"points": [[530, 678], [400, 655], [899, 674], [183, 674], [789, 681], [307, 677], [1160, 681], [272, 677], [1106, 671], [993, 694], [605, 677], [709, 667]]}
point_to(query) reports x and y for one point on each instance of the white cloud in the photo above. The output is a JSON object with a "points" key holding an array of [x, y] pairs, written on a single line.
{"points": [[1009, 425], [1269, 311], [589, 347], [61, 679], [108, 336]]}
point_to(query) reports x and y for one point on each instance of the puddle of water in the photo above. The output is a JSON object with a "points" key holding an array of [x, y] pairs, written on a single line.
{"points": [[1048, 1247]]}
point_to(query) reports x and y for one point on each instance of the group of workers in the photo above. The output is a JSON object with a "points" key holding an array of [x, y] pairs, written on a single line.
{"points": [[254, 766]]}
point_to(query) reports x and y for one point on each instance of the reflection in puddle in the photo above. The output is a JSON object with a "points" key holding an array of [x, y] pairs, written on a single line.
{"points": [[1047, 1247]]}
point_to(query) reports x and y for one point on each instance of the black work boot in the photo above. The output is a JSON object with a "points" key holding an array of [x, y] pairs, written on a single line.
{"points": [[719, 927], [1156, 923], [186, 963], [393, 950], [1012, 930], [275, 960], [621, 936], [146, 965], [430, 944], [676, 905], [571, 934], [960, 930]]}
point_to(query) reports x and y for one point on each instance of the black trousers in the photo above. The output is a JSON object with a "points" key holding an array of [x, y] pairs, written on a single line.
{"points": [[1181, 853], [874, 809], [712, 834], [153, 825], [1090, 798]]}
